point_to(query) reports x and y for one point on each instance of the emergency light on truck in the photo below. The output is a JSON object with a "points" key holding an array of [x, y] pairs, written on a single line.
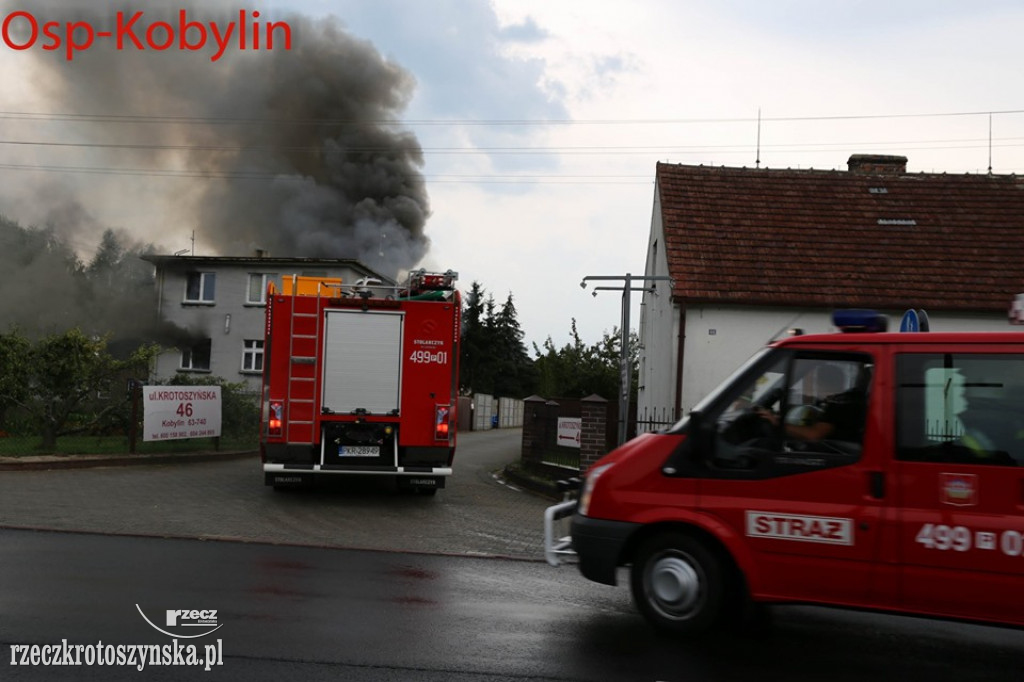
{"points": [[873, 322], [859, 320]]}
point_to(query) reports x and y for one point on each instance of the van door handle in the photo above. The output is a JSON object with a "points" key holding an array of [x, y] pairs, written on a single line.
{"points": [[876, 484]]}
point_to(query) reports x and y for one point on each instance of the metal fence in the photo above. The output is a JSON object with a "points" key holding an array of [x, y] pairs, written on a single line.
{"points": [[239, 431], [649, 420]]}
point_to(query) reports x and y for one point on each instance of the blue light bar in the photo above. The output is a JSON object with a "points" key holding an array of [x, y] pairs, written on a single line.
{"points": [[859, 320]]}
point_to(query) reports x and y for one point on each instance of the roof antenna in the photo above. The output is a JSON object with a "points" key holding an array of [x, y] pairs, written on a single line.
{"points": [[990, 143], [757, 161]]}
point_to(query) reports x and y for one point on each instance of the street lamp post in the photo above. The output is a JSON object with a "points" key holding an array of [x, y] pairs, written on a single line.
{"points": [[625, 375]]}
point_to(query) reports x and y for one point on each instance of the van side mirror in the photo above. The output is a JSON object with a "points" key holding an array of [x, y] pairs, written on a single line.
{"points": [[699, 445], [701, 434]]}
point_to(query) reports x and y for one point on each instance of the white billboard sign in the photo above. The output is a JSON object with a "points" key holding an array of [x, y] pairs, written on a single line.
{"points": [[569, 431], [174, 412]]}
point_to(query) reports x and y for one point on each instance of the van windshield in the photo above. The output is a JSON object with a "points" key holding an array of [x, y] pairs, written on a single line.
{"points": [[711, 397]]}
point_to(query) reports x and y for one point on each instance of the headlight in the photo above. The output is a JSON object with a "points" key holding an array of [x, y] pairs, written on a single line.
{"points": [[588, 487]]}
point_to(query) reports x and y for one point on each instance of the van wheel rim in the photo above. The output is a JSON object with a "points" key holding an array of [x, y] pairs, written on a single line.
{"points": [[674, 585]]}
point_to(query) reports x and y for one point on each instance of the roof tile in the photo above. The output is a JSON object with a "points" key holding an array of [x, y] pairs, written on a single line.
{"points": [[835, 238]]}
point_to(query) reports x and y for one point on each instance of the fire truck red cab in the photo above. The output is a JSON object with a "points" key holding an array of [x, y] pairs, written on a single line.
{"points": [[361, 380], [872, 470]]}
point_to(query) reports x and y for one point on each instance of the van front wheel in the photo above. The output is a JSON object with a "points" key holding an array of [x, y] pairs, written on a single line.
{"points": [[678, 584]]}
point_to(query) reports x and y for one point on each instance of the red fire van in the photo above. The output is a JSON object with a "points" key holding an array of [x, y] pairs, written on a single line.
{"points": [[871, 469]]}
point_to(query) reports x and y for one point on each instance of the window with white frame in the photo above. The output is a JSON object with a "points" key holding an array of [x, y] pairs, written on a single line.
{"points": [[197, 357], [200, 287], [256, 293], [252, 355]]}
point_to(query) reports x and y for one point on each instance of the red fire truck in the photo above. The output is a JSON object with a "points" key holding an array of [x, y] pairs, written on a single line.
{"points": [[869, 469], [361, 379]]}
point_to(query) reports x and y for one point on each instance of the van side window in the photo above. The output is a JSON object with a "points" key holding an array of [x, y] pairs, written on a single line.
{"points": [[962, 408], [800, 412]]}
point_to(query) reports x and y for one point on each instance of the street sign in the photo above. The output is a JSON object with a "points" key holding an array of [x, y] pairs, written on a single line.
{"points": [[174, 412], [922, 320], [910, 322], [569, 430]]}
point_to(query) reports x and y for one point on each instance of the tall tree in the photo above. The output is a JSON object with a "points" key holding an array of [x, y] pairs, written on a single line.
{"points": [[514, 375], [474, 339], [108, 255], [117, 263], [493, 359], [577, 370], [118, 293]]}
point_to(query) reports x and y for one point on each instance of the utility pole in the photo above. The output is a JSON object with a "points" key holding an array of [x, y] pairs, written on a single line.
{"points": [[625, 373]]}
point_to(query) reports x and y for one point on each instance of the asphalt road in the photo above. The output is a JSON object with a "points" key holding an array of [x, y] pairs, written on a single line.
{"points": [[458, 592], [328, 614]]}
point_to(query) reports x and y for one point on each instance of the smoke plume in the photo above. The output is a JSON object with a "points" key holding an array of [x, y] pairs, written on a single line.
{"points": [[296, 152]]}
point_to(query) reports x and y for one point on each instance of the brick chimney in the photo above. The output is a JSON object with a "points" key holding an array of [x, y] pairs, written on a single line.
{"points": [[877, 164]]}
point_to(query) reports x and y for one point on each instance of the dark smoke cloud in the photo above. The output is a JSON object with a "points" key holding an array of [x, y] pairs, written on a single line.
{"points": [[296, 152]]}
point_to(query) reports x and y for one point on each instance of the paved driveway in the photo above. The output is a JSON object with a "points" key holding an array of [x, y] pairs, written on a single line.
{"points": [[476, 514]]}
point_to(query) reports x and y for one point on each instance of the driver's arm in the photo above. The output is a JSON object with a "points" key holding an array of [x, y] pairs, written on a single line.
{"points": [[817, 431]]}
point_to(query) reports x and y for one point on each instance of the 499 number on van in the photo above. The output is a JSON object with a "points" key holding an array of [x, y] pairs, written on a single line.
{"points": [[962, 539]]}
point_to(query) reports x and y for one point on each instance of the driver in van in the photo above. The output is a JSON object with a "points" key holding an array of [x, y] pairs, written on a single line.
{"points": [[839, 411]]}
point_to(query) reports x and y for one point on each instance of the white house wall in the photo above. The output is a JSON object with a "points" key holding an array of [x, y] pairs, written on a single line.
{"points": [[719, 339], [659, 333]]}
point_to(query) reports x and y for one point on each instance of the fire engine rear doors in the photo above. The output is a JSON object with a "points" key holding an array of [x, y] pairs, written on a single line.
{"points": [[362, 372]]}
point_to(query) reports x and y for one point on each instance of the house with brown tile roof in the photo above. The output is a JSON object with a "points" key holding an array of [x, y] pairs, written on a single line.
{"points": [[755, 252]]}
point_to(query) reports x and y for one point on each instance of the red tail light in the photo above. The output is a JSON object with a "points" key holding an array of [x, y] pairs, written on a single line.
{"points": [[274, 423], [442, 416]]}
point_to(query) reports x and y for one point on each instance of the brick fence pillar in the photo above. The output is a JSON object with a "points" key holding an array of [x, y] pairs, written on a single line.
{"points": [[534, 430], [593, 427]]}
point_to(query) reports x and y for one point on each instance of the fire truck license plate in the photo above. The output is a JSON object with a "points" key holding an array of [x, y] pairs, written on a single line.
{"points": [[358, 451]]}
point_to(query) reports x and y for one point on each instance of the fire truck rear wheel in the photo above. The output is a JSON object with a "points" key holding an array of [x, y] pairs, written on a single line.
{"points": [[678, 584]]}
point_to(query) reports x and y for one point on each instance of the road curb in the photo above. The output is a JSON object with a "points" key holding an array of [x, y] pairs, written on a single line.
{"points": [[513, 474], [47, 462]]}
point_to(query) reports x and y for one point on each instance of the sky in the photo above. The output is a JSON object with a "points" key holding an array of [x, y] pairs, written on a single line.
{"points": [[536, 125]]}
